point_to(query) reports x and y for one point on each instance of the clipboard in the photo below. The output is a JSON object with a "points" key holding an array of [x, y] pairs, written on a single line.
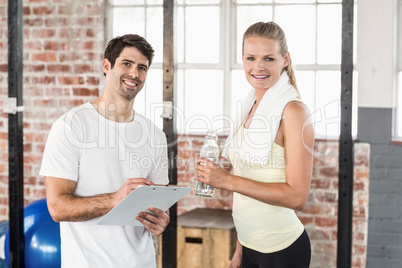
{"points": [[143, 197]]}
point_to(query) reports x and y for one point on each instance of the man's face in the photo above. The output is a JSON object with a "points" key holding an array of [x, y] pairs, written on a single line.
{"points": [[128, 75]]}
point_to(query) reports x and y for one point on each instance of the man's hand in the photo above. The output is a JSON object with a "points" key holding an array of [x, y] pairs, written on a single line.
{"points": [[155, 223], [129, 186], [64, 205]]}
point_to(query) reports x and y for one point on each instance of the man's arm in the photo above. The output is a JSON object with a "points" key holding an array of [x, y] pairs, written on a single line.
{"points": [[63, 205]]}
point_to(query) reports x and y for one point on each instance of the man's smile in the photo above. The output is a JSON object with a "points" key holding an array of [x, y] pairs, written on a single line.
{"points": [[131, 83]]}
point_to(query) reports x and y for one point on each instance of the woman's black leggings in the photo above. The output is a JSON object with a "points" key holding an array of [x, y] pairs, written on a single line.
{"points": [[297, 255]]}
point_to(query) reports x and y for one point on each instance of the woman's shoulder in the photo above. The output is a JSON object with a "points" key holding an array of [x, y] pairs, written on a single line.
{"points": [[296, 107], [296, 117]]}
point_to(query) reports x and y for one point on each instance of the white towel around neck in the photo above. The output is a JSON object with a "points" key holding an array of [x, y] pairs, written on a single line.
{"points": [[257, 143]]}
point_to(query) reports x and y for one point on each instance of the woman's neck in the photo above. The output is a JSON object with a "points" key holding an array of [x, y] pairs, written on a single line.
{"points": [[259, 94]]}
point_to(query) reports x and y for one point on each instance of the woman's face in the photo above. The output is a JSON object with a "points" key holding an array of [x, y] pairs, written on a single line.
{"points": [[263, 62]]}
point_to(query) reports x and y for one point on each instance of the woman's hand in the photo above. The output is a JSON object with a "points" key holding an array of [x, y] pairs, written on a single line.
{"points": [[237, 257], [212, 174]]}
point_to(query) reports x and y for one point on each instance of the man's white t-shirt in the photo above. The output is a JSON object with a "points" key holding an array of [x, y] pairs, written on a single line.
{"points": [[100, 155]]}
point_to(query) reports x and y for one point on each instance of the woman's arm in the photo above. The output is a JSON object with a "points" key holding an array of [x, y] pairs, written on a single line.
{"points": [[298, 140]]}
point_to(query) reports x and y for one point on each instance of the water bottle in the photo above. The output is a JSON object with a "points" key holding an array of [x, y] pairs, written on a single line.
{"points": [[210, 151]]}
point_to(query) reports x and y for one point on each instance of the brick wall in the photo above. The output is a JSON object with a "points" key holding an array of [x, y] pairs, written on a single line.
{"points": [[63, 47], [320, 213]]}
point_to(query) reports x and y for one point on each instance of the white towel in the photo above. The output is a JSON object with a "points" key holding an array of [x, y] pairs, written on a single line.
{"points": [[257, 144]]}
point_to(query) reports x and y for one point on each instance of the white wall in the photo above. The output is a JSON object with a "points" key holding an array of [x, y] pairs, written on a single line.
{"points": [[375, 53]]}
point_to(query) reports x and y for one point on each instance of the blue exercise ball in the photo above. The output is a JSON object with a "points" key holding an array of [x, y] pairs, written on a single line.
{"points": [[42, 237]]}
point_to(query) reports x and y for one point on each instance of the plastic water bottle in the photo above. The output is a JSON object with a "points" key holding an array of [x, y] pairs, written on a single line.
{"points": [[210, 151]]}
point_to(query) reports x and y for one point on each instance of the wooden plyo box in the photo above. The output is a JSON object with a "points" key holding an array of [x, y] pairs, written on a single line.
{"points": [[206, 238]]}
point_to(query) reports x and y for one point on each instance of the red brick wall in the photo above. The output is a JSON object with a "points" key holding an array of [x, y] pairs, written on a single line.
{"points": [[63, 42], [63, 48]]}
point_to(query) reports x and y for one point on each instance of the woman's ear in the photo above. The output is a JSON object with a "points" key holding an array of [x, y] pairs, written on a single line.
{"points": [[287, 59]]}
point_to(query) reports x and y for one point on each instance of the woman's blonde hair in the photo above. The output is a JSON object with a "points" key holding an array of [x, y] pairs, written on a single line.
{"points": [[271, 30]]}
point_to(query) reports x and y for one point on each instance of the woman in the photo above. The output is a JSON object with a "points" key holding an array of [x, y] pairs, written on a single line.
{"points": [[269, 151]]}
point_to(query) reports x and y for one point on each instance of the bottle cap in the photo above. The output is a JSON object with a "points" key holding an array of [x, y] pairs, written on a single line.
{"points": [[211, 134]]}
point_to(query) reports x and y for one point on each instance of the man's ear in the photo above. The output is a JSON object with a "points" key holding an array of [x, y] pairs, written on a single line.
{"points": [[106, 66]]}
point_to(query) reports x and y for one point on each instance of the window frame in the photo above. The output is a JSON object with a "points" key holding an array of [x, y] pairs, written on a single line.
{"points": [[397, 107], [227, 49]]}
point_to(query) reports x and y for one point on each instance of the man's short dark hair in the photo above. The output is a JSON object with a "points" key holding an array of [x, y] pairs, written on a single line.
{"points": [[117, 44]]}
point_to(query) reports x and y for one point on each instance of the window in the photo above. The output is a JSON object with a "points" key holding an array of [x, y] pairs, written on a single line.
{"points": [[144, 18], [210, 76]]}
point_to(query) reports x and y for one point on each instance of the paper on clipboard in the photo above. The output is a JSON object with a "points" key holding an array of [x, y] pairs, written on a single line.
{"points": [[143, 197]]}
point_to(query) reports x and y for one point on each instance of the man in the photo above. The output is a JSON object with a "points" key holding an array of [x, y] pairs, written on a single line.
{"points": [[99, 152]]}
